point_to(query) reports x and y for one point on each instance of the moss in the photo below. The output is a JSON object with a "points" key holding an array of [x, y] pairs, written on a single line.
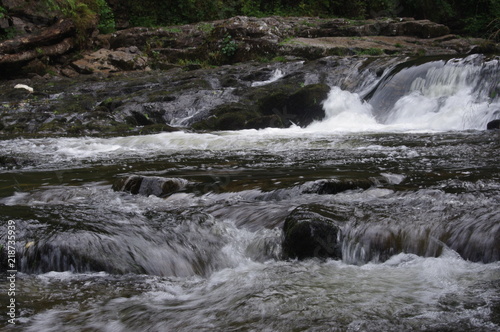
{"points": [[232, 116], [371, 51]]}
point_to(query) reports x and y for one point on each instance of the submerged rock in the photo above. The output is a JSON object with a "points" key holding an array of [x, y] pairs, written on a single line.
{"points": [[149, 185], [495, 124], [334, 186], [311, 231]]}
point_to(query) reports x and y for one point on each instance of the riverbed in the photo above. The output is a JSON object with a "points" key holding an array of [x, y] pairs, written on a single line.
{"points": [[208, 257]]}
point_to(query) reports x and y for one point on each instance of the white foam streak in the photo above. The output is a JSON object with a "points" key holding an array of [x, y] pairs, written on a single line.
{"points": [[277, 74]]}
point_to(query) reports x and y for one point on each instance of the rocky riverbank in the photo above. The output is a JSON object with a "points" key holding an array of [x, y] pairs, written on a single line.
{"points": [[239, 73]]}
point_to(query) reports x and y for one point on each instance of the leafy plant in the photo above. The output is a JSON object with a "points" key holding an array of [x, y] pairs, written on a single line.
{"points": [[228, 46], [206, 27], [106, 17], [2, 12], [371, 51], [79, 12]]}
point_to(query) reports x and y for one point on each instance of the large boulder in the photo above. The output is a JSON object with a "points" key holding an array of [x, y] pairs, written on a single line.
{"points": [[107, 61], [312, 231], [301, 107], [277, 105]]}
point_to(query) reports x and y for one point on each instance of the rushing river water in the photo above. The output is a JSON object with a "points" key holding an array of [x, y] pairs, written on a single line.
{"points": [[209, 258]]}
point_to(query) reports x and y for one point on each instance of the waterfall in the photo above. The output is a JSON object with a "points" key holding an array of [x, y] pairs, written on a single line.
{"points": [[457, 94]]}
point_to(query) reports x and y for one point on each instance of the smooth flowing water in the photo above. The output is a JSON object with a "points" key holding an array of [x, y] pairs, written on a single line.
{"points": [[208, 257]]}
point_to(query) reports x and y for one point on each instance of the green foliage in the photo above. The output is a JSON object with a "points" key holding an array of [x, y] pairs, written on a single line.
{"points": [[79, 12], [494, 28], [206, 27], [228, 46], [471, 17], [383, 8], [371, 51], [437, 10], [86, 14], [3, 12], [8, 33], [106, 17], [485, 21]]}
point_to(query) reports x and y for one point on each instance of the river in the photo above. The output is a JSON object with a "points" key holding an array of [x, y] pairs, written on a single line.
{"points": [[208, 257]]}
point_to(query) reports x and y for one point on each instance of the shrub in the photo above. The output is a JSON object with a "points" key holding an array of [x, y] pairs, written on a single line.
{"points": [[86, 14], [228, 46], [106, 17]]}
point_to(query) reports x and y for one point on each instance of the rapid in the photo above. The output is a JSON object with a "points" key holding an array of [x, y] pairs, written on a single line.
{"points": [[420, 246]]}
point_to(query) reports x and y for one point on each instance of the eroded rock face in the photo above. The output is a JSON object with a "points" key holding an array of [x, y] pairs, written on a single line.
{"points": [[105, 60], [243, 38]]}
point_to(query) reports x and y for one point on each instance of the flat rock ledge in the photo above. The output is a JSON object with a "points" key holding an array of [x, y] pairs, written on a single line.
{"points": [[234, 40]]}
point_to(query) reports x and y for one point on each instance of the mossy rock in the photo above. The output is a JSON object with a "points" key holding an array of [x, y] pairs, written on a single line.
{"points": [[232, 116], [300, 106]]}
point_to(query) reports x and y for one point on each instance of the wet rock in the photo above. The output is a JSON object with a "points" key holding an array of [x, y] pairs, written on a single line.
{"points": [[149, 185], [298, 106], [312, 231], [307, 103], [234, 116], [278, 105], [8, 162], [334, 186], [495, 124]]}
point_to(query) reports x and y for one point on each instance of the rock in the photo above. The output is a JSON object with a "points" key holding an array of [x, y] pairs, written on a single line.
{"points": [[311, 231], [237, 116], [334, 186], [495, 124], [278, 105], [307, 103], [52, 41], [68, 72], [8, 162], [149, 185], [421, 29], [106, 61], [301, 107]]}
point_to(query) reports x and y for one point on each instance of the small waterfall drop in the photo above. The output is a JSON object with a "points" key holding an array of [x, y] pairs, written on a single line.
{"points": [[458, 94], [276, 75]]}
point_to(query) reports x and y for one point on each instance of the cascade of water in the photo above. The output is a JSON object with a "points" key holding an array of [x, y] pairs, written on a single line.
{"points": [[457, 94], [276, 75]]}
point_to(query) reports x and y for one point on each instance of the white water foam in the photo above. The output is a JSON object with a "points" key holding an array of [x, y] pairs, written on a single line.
{"points": [[276, 75], [441, 96], [437, 96]]}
